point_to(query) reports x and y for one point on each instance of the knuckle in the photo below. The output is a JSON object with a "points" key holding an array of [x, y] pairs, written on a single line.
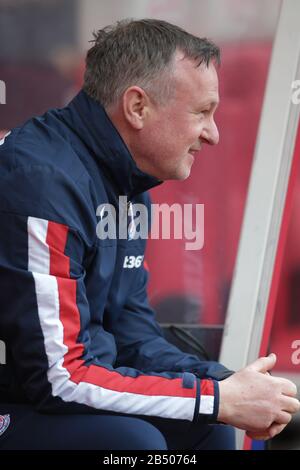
{"points": [[295, 406], [273, 432], [287, 418], [290, 387], [269, 419], [283, 418]]}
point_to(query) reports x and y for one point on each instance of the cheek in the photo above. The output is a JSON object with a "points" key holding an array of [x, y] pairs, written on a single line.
{"points": [[171, 137], [196, 130], [167, 139], [188, 132]]}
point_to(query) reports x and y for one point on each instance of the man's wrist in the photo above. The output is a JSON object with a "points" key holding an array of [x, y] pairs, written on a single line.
{"points": [[223, 403]]}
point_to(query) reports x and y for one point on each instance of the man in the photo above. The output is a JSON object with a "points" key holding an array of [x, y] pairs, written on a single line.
{"points": [[87, 364]]}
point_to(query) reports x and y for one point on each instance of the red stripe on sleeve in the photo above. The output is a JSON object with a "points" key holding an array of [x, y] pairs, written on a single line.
{"points": [[56, 240], [207, 387], [70, 318]]}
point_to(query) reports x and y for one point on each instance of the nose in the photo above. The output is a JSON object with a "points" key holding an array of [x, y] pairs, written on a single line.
{"points": [[210, 133]]}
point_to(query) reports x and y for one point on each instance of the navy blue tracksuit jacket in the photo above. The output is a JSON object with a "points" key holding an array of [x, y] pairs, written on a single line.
{"points": [[80, 335]]}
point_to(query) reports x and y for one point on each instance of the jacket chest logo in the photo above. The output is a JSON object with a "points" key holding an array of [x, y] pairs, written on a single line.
{"points": [[133, 261]]}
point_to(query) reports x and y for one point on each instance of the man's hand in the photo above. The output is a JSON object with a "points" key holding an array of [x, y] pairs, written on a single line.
{"points": [[253, 400]]}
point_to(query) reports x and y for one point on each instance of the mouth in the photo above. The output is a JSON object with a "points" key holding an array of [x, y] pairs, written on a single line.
{"points": [[194, 151]]}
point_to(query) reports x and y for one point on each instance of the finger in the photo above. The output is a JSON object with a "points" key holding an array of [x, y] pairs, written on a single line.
{"points": [[275, 429], [289, 404], [288, 388], [269, 433], [283, 418], [264, 364]]}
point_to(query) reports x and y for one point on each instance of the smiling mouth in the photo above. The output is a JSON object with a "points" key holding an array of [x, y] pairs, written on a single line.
{"points": [[194, 151]]}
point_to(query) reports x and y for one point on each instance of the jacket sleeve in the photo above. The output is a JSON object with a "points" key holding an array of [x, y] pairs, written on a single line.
{"points": [[45, 313], [141, 342]]}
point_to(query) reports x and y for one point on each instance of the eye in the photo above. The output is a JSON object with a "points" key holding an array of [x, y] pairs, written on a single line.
{"points": [[203, 112]]}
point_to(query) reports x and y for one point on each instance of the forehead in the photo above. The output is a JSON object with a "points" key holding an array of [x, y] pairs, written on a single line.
{"points": [[196, 83]]}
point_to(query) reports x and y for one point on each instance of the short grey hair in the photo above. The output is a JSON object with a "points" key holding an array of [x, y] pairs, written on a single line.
{"points": [[141, 53]]}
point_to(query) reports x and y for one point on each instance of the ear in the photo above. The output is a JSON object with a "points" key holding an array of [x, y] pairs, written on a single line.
{"points": [[135, 106]]}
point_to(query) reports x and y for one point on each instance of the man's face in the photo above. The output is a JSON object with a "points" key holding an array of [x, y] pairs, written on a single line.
{"points": [[174, 132]]}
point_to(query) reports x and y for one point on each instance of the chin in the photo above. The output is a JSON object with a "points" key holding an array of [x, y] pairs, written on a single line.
{"points": [[186, 175], [181, 174], [185, 170]]}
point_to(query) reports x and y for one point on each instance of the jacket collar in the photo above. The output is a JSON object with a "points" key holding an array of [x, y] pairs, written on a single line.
{"points": [[90, 121]]}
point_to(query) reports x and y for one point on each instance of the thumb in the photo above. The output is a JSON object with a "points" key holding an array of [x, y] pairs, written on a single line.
{"points": [[264, 364]]}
